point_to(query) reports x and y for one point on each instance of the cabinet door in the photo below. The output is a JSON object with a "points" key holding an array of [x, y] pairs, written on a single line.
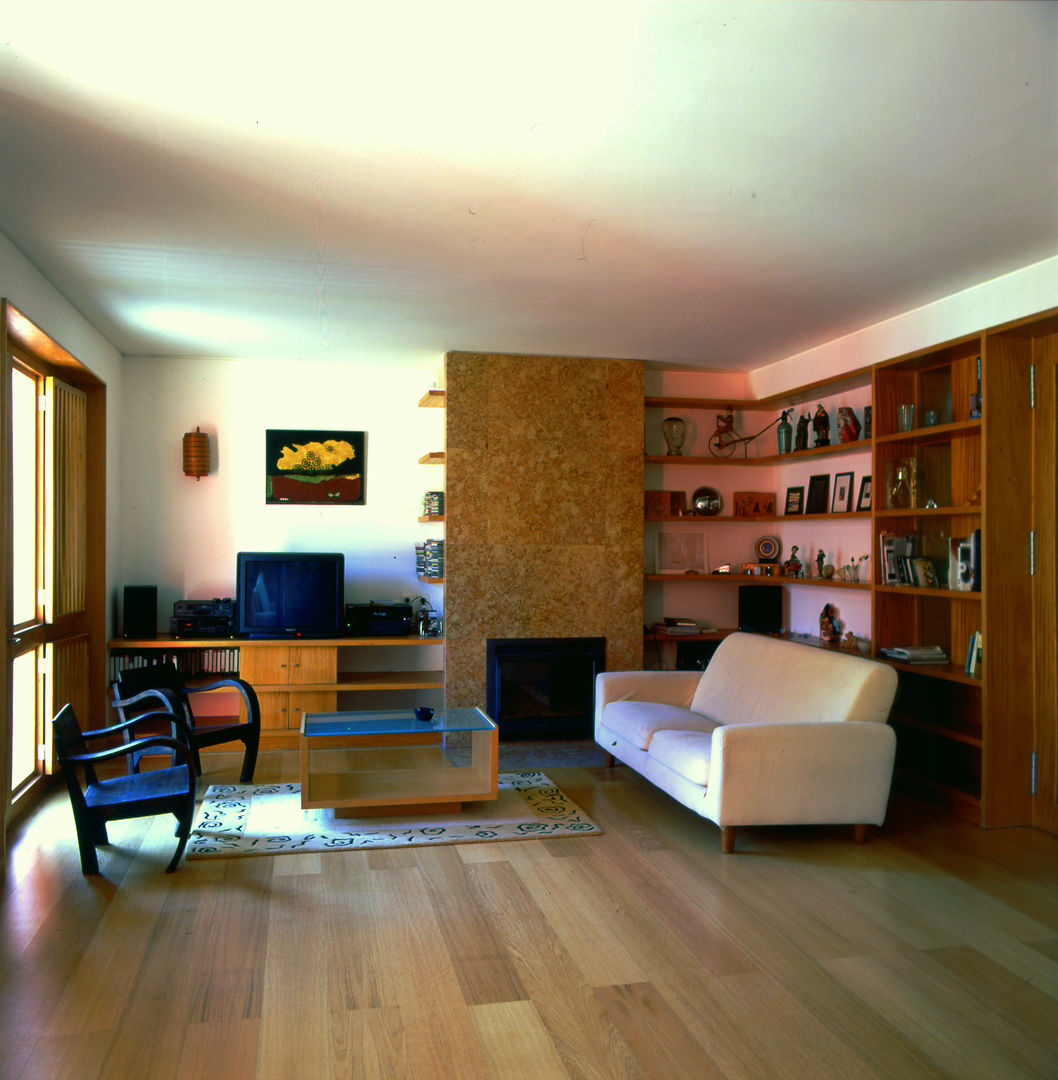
{"points": [[275, 711], [265, 665], [303, 703], [313, 664]]}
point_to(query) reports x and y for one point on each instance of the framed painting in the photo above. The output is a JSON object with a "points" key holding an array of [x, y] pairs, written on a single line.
{"points": [[795, 500], [842, 503], [817, 501], [314, 466], [864, 501]]}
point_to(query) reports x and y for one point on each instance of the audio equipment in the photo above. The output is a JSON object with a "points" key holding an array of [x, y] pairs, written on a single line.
{"points": [[760, 609], [139, 611]]}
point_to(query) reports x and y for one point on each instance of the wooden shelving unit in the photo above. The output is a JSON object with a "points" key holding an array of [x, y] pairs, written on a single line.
{"points": [[292, 677], [965, 742]]}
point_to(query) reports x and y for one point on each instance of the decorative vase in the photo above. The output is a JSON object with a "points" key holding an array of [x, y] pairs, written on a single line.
{"points": [[674, 428], [785, 433], [848, 424]]}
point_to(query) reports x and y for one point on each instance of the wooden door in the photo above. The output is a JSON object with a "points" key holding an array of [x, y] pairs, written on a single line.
{"points": [[1045, 581]]}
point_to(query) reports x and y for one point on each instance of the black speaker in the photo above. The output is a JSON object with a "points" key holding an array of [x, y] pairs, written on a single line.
{"points": [[139, 611], [760, 608]]}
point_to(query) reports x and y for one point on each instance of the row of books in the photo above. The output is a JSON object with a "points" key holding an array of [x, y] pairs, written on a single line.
{"points": [[916, 654], [430, 559], [433, 503], [191, 663], [975, 653], [902, 563]]}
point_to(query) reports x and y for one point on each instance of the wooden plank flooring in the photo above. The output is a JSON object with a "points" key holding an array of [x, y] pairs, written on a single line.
{"points": [[930, 952]]}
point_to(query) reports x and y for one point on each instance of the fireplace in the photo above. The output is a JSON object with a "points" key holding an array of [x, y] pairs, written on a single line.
{"points": [[543, 688]]}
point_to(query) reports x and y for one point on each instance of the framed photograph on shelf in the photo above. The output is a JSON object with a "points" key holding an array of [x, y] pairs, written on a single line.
{"points": [[842, 493], [864, 500], [818, 495], [795, 500], [679, 553]]}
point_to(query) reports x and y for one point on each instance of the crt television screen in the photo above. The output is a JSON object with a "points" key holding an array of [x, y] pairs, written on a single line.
{"points": [[290, 594]]}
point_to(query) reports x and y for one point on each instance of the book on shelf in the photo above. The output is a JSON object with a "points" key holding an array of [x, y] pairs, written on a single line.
{"points": [[916, 654], [974, 653], [675, 626]]}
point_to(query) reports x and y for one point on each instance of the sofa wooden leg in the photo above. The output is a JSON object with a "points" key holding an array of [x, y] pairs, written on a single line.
{"points": [[859, 834], [611, 761], [727, 839]]}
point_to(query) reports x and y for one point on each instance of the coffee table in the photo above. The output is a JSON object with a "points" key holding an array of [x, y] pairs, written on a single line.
{"points": [[384, 761]]}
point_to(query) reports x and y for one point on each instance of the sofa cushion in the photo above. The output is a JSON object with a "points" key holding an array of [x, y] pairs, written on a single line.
{"points": [[686, 753], [753, 679], [637, 721]]}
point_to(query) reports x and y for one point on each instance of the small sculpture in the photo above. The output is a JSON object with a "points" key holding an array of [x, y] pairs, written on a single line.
{"points": [[674, 428], [850, 642], [829, 627], [792, 566], [801, 440], [821, 558], [821, 426]]}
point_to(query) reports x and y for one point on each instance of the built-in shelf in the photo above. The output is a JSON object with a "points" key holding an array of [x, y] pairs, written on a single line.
{"points": [[860, 446], [433, 399], [730, 519], [437, 457], [759, 579]]}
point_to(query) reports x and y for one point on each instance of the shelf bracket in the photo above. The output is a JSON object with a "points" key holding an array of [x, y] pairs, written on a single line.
{"points": [[1032, 553], [1033, 772], [1032, 386]]}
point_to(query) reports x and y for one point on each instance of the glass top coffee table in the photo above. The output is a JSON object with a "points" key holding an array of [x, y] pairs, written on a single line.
{"points": [[387, 761]]}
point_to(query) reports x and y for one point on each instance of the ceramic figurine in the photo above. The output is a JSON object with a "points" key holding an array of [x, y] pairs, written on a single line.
{"points": [[820, 559], [801, 441]]}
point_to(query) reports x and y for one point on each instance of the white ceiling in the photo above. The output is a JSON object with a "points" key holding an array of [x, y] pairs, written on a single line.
{"points": [[716, 185]]}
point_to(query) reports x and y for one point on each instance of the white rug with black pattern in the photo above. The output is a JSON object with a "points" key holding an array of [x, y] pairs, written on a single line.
{"points": [[267, 819]]}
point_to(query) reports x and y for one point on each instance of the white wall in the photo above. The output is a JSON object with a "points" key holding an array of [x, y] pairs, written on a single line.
{"points": [[24, 286], [182, 534]]}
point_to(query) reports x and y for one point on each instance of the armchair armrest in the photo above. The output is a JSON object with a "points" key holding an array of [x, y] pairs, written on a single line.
{"points": [[168, 699], [800, 773], [245, 689], [180, 750], [664, 687], [125, 726]]}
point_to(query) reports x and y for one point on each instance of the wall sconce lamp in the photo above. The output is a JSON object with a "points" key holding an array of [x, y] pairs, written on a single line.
{"points": [[196, 454]]}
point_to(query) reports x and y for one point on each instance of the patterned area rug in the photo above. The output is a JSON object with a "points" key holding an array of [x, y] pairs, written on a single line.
{"points": [[267, 819]]}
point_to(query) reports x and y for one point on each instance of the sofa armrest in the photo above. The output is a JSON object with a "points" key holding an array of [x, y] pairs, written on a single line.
{"points": [[664, 687], [800, 773]]}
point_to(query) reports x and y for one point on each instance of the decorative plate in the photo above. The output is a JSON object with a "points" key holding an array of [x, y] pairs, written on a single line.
{"points": [[706, 500], [767, 549]]}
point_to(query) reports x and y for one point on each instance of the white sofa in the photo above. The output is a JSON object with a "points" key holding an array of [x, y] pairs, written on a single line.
{"points": [[771, 733]]}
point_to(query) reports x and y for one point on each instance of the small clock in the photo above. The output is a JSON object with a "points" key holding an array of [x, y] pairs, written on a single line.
{"points": [[767, 548]]}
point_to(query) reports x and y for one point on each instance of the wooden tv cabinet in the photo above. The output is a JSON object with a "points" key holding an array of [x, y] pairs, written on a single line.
{"points": [[292, 677]]}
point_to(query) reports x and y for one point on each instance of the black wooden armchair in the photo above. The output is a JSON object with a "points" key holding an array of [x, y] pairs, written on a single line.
{"points": [[139, 690], [96, 801]]}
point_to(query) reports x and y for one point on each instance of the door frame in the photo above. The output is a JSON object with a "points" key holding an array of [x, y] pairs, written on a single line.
{"points": [[17, 332]]}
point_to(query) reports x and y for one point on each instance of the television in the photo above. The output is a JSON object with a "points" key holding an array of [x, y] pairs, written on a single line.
{"points": [[289, 594]]}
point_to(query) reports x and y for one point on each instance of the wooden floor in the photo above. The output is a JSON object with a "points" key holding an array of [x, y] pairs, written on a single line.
{"points": [[932, 951]]}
